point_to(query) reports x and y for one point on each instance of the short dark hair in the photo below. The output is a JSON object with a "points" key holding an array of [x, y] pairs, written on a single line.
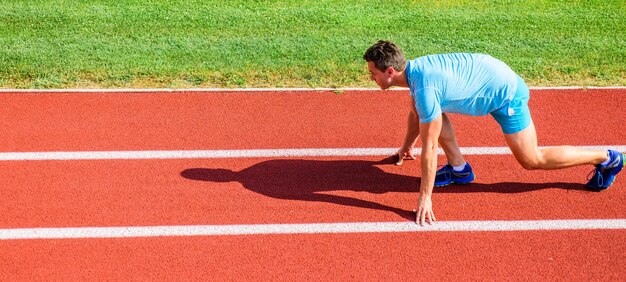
{"points": [[385, 54]]}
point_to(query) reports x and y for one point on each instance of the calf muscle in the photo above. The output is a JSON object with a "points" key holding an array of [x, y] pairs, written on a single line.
{"points": [[524, 147]]}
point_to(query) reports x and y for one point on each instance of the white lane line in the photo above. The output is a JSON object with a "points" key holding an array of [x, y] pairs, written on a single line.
{"points": [[257, 153], [309, 228]]}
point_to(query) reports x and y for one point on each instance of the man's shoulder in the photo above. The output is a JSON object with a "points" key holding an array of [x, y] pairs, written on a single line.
{"points": [[437, 59]]}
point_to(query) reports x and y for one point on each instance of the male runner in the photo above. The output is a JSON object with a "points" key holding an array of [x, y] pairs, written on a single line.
{"points": [[476, 85]]}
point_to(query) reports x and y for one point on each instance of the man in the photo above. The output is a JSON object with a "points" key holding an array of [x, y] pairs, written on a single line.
{"points": [[477, 85]]}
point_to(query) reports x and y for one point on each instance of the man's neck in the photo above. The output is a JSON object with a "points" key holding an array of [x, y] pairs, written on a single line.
{"points": [[400, 80]]}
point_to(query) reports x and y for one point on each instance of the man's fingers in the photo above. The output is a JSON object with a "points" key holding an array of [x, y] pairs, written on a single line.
{"points": [[404, 156], [422, 216], [429, 218], [417, 216], [400, 158]]}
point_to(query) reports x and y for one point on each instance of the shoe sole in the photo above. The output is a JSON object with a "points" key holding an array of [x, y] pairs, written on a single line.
{"points": [[459, 183]]}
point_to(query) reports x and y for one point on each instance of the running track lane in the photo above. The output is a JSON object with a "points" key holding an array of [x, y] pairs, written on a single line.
{"points": [[268, 191], [458, 256], [83, 122], [269, 120]]}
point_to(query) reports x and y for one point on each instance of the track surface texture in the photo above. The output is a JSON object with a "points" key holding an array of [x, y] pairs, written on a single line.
{"points": [[54, 196]]}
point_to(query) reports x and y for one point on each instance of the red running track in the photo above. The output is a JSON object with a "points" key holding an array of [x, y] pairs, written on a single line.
{"points": [[302, 190], [258, 120]]}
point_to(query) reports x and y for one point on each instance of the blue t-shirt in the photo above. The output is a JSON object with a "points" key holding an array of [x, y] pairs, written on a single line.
{"points": [[471, 84]]}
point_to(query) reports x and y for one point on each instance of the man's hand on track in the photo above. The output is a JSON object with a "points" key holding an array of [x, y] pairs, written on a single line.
{"points": [[424, 212], [404, 154]]}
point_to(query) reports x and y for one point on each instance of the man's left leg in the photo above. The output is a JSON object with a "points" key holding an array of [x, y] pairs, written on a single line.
{"points": [[448, 143], [456, 170], [523, 144], [519, 132]]}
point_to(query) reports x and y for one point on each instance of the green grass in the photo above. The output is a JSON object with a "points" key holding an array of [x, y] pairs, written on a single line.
{"points": [[124, 43]]}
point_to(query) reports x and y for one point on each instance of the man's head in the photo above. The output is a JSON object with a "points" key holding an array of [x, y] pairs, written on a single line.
{"points": [[384, 61]]}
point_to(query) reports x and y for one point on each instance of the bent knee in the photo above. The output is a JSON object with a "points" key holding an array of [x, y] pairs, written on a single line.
{"points": [[531, 160], [531, 164]]}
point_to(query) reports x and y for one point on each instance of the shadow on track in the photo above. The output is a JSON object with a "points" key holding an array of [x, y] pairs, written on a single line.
{"points": [[307, 180]]}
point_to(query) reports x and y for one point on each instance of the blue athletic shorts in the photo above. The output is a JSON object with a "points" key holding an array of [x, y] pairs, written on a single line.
{"points": [[515, 116]]}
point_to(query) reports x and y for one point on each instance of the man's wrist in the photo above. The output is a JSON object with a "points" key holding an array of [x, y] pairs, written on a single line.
{"points": [[426, 192]]}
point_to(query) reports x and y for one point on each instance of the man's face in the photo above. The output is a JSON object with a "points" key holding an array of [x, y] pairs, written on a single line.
{"points": [[382, 78]]}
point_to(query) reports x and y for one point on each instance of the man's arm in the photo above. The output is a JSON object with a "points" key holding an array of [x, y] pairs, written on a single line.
{"points": [[429, 134], [412, 132]]}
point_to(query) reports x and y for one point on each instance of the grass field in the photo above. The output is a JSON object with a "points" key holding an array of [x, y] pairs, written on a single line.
{"points": [[297, 43]]}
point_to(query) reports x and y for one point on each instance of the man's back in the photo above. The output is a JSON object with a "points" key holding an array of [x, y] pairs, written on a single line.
{"points": [[472, 84]]}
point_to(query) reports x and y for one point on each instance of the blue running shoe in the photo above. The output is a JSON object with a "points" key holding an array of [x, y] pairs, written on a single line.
{"points": [[605, 175], [447, 175]]}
